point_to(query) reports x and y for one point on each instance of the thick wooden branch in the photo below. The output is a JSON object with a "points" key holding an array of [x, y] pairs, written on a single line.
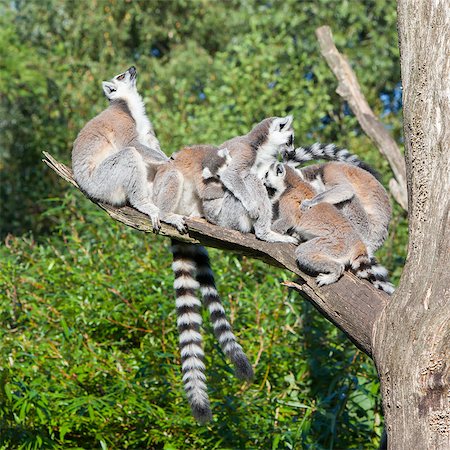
{"points": [[351, 304], [349, 89]]}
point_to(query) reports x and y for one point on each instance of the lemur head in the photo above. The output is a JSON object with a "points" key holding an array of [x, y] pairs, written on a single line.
{"points": [[215, 165], [281, 133], [274, 180], [121, 86]]}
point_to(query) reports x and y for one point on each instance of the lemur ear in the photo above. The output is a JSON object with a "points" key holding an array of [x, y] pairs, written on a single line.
{"points": [[281, 171], [281, 123], [108, 88], [206, 174], [223, 152]]}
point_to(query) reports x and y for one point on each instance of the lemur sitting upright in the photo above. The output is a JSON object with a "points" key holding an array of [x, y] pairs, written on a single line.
{"points": [[351, 185], [245, 205], [114, 152], [332, 242]]}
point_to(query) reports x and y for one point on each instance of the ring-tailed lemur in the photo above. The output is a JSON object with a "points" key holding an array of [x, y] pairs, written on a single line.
{"points": [[114, 151], [245, 205], [353, 187], [178, 190], [332, 241]]}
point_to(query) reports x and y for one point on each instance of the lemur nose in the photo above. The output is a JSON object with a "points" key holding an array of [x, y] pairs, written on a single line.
{"points": [[132, 70]]}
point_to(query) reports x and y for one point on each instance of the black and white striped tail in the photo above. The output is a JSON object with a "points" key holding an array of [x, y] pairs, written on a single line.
{"points": [[328, 152], [189, 322], [222, 328], [377, 275]]}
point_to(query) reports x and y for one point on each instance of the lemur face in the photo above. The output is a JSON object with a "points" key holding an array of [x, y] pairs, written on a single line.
{"points": [[121, 85], [281, 133], [274, 179]]}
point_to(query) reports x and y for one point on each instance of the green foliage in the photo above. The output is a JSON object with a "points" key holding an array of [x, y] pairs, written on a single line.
{"points": [[89, 353], [90, 356]]}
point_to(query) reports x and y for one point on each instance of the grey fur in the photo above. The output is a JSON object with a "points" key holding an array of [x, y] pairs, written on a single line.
{"points": [[246, 205], [114, 151]]}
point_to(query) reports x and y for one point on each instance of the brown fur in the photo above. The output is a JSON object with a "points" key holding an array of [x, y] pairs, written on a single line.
{"points": [[332, 242], [367, 206]]}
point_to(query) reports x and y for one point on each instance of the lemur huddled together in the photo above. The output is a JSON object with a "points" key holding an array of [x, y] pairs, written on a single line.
{"points": [[336, 213]]}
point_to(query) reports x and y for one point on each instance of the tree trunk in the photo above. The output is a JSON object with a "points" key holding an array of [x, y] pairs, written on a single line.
{"points": [[412, 336]]}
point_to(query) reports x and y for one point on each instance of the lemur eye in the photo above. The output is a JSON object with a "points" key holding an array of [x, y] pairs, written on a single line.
{"points": [[282, 125], [121, 77]]}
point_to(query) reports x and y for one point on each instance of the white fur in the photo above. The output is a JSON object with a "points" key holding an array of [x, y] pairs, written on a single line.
{"points": [[189, 336], [220, 323], [194, 375], [208, 290], [183, 265], [318, 184], [187, 300], [216, 307], [189, 318], [192, 350], [226, 336], [185, 282]]}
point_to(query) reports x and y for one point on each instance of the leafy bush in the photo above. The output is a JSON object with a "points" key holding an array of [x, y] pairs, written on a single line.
{"points": [[90, 358]]}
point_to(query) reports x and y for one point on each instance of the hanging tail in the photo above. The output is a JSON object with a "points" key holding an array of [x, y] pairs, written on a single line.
{"points": [[328, 152], [221, 326], [376, 274], [189, 321]]}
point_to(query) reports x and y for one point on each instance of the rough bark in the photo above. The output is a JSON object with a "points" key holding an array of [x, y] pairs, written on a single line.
{"points": [[351, 304], [412, 336], [349, 89]]}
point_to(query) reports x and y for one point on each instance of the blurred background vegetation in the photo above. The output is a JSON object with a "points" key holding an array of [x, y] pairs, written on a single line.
{"points": [[88, 352]]}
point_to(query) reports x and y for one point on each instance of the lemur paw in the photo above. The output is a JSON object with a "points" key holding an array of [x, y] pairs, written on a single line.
{"points": [[253, 211], [176, 221], [327, 278], [272, 236], [156, 223], [306, 204]]}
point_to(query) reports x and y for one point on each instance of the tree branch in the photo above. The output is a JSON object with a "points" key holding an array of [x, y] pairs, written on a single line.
{"points": [[351, 304], [349, 89]]}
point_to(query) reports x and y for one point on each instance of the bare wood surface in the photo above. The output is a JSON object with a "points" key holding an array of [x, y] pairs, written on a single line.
{"points": [[352, 304], [349, 89]]}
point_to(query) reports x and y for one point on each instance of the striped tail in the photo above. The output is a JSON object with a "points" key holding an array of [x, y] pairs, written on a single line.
{"points": [[329, 152], [377, 275], [189, 322], [222, 328]]}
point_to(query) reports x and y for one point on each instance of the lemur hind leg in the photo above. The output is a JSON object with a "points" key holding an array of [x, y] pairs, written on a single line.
{"points": [[168, 188], [335, 195], [123, 176], [315, 256]]}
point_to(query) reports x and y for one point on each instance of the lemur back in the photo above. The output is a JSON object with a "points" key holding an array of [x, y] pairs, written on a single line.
{"points": [[353, 187], [332, 243], [114, 151], [355, 192]]}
